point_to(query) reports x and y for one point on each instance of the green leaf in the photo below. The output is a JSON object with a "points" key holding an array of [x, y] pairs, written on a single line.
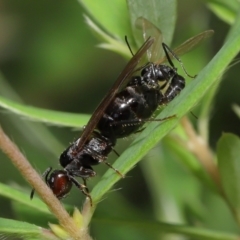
{"points": [[229, 166], [110, 43], [189, 161], [34, 133], [112, 16], [193, 232], [236, 109], [179, 106], [23, 198], [161, 13], [16, 229], [120, 27], [205, 113], [225, 10], [43, 115]]}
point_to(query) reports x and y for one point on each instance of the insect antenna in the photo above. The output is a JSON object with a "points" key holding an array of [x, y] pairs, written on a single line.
{"points": [[129, 47], [194, 115], [168, 50]]}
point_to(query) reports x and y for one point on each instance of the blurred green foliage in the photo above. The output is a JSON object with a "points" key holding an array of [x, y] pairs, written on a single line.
{"points": [[49, 59]]}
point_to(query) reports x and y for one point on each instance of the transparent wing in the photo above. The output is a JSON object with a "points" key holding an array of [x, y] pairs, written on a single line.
{"points": [[189, 45], [122, 78], [150, 30]]}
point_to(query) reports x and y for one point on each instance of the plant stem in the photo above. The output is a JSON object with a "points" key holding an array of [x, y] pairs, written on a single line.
{"points": [[25, 168], [201, 150]]}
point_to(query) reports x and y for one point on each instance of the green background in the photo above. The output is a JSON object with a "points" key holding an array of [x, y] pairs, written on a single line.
{"points": [[50, 59]]}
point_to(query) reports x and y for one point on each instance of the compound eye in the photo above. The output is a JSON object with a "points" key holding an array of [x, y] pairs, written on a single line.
{"points": [[60, 183]]}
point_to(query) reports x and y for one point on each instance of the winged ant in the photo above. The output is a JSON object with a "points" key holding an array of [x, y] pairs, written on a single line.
{"points": [[130, 103]]}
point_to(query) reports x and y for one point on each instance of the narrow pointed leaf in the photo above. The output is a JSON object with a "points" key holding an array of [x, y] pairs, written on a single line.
{"points": [[228, 153]]}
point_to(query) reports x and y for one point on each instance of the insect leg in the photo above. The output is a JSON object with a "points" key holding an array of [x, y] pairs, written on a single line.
{"points": [[115, 152], [166, 50], [129, 47], [140, 121], [114, 169], [44, 175], [85, 183], [82, 187]]}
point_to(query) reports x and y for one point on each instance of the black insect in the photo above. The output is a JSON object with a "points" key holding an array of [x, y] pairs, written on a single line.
{"points": [[131, 101], [93, 147], [156, 85]]}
